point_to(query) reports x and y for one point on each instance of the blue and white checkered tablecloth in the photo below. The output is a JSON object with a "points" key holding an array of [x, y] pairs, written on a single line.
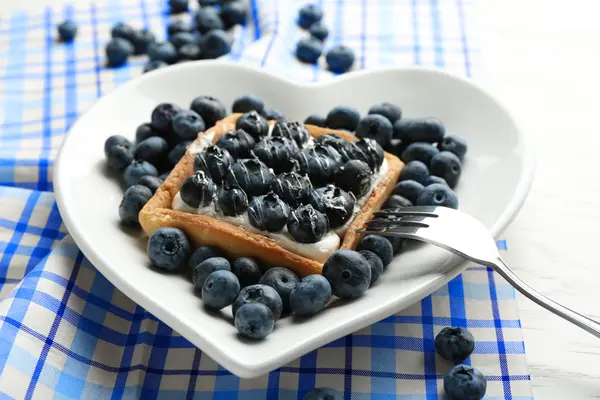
{"points": [[66, 332]]}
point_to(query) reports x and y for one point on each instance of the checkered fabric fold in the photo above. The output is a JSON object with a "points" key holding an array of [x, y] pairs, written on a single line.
{"points": [[67, 332]]}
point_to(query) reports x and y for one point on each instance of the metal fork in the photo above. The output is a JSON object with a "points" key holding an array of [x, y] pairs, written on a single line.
{"points": [[462, 234]]}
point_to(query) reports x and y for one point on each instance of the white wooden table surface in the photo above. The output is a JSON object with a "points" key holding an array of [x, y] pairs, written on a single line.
{"points": [[542, 58]]}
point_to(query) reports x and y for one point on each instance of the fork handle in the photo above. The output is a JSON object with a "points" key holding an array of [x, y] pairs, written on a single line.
{"points": [[574, 317]]}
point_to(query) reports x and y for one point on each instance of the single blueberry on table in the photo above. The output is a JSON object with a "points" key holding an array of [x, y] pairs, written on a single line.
{"points": [[247, 271], [419, 151], [464, 382], [220, 289], [248, 103], [215, 161], [316, 120], [252, 176], [396, 243], [177, 152], [455, 145], [189, 52], [429, 130], [309, 50], [309, 14], [145, 131], [141, 40], [208, 19], [273, 114], [232, 201], [375, 263], [253, 123], [283, 281], [375, 126], [319, 31], [276, 152], [118, 151], [323, 394], [395, 147], [233, 13], [162, 51], [134, 199], [348, 272], [292, 188], [254, 321], [292, 130], [203, 253], [151, 182], [162, 117], [238, 143], [307, 225], [168, 249], [178, 6], [67, 31], [334, 202], [435, 179], [447, 166], [438, 194], [343, 117], [123, 31], [180, 39], [156, 64], [209, 108], [310, 296], [409, 189], [319, 168], [396, 201], [154, 150], [259, 294], [268, 212], [187, 124], [378, 245], [354, 176], [391, 111], [118, 51], [197, 190], [340, 59], [416, 171], [136, 170], [215, 44], [454, 344], [201, 271]]}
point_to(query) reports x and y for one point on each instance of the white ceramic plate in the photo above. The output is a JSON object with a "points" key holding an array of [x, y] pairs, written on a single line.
{"points": [[496, 177]]}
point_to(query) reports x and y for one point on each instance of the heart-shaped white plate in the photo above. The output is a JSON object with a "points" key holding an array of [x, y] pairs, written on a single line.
{"points": [[496, 177]]}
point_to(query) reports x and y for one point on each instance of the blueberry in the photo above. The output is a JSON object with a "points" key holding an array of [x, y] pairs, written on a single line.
{"points": [[374, 262], [375, 126], [348, 272], [454, 344], [136, 170], [209, 3], [238, 143], [141, 40], [259, 294], [67, 31], [179, 26], [307, 225], [455, 145], [180, 39], [232, 201], [215, 44], [202, 270], [391, 111], [464, 382], [340, 59], [162, 116], [162, 51], [323, 394], [276, 152], [354, 176], [395, 147], [343, 117], [220, 289], [309, 50], [154, 150], [291, 130], [210, 109], [156, 64], [178, 6], [208, 19], [134, 199], [319, 31], [415, 170], [396, 243], [309, 14], [316, 120], [419, 151], [334, 202], [292, 188], [329, 152], [396, 201], [428, 130], [247, 271], [248, 103], [145, 131], [435, 179], [273, 114], [371, 150], [168, 249], [447, 166], [251, 175], [197, 190], [203, 253], [378, 245], [254, 321], [119, 152], [284, 281], [310, 296], [409, 189], [177, 152], [268, 212], [344, 147], [319, 168], [189, 52], [438, 195], [215, 161], [123, 31], [233, 13], [187, 124], [253, 123], [118, 51], [151, 182]]}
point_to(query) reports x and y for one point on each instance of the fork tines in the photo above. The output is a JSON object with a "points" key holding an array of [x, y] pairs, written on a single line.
{"points": [[427, 211]]}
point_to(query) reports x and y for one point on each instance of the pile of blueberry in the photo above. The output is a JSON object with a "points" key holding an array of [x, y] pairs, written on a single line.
{"points": [[203, 38], [339, 58]]}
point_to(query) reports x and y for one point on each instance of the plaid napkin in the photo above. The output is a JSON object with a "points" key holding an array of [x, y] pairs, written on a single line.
{"points": [[66, 332]]}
